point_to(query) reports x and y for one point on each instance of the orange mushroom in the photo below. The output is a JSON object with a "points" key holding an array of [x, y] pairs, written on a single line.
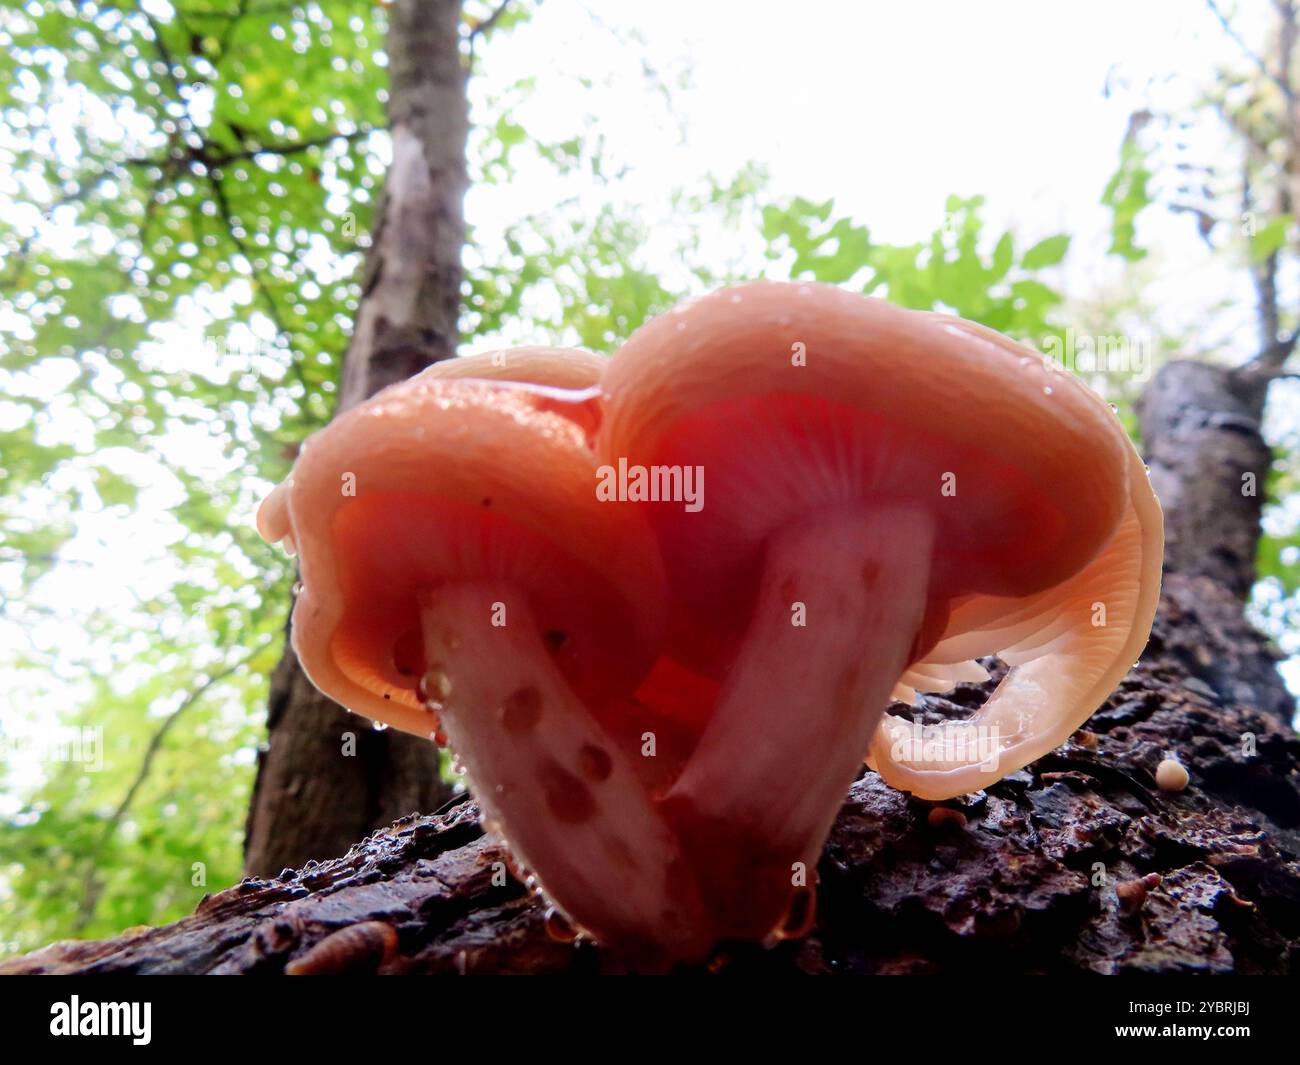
{"points": [[890, 495], [1068, 646], [458, 574], [880, 483]]}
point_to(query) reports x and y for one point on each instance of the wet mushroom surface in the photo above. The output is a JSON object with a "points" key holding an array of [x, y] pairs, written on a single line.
{"points": [[661, 692]]}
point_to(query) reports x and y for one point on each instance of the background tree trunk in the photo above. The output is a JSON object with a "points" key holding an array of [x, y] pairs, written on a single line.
{"points": [[1077, 863], [311, 800], [1201, 425]]}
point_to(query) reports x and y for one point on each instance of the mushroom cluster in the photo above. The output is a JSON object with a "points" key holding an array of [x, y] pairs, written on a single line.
{"points": [[660, 698]]}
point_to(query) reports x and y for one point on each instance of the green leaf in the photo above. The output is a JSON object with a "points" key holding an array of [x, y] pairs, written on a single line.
{"points": [[1046, 253], [1269, 238], [1127, 195]]}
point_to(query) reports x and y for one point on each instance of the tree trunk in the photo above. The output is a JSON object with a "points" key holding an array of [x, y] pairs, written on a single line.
{"points": [[326, 778], [1208, 463], [1079, 863], [1208, 460]]}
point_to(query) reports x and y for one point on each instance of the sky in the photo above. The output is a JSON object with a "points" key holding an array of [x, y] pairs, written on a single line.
{"points": [[886, 107]]}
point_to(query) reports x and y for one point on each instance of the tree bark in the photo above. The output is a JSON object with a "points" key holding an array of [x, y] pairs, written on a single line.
{"points": [[1079, 863], [1208, 465], [326, 778]]}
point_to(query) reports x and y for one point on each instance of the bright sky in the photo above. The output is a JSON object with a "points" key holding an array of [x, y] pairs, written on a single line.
{"points": [[888, 107]]}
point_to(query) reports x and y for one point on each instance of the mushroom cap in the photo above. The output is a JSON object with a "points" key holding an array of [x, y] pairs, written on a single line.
{"points": [[575, 373], [799, 397], [459, 479], [1068, 647], [570, 368]]}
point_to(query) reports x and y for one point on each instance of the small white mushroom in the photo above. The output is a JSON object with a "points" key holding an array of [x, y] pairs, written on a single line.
{"points": [[1171, 775]]}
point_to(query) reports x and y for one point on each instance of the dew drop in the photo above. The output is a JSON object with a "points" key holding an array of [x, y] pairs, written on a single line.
{"points": [[1047, 390], [1114, 408], [434, 688], [558, 927], [379, 726], [297, 589]]}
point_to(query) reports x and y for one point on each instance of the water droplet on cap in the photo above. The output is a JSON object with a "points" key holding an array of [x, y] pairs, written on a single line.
{"points": [[435, 686], [558, 927]]}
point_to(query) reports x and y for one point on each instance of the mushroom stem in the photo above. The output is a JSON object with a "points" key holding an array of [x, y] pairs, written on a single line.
{"points": [[842, 598], [550, 780]]}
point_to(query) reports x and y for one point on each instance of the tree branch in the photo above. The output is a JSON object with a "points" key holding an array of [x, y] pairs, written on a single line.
{"points": [[211, 159], [1282, 83], [227, 216], [94, 888], [483, 28]]}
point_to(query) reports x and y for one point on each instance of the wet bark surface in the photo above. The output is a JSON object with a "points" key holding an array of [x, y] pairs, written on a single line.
{"points": [[1079, 863]]}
